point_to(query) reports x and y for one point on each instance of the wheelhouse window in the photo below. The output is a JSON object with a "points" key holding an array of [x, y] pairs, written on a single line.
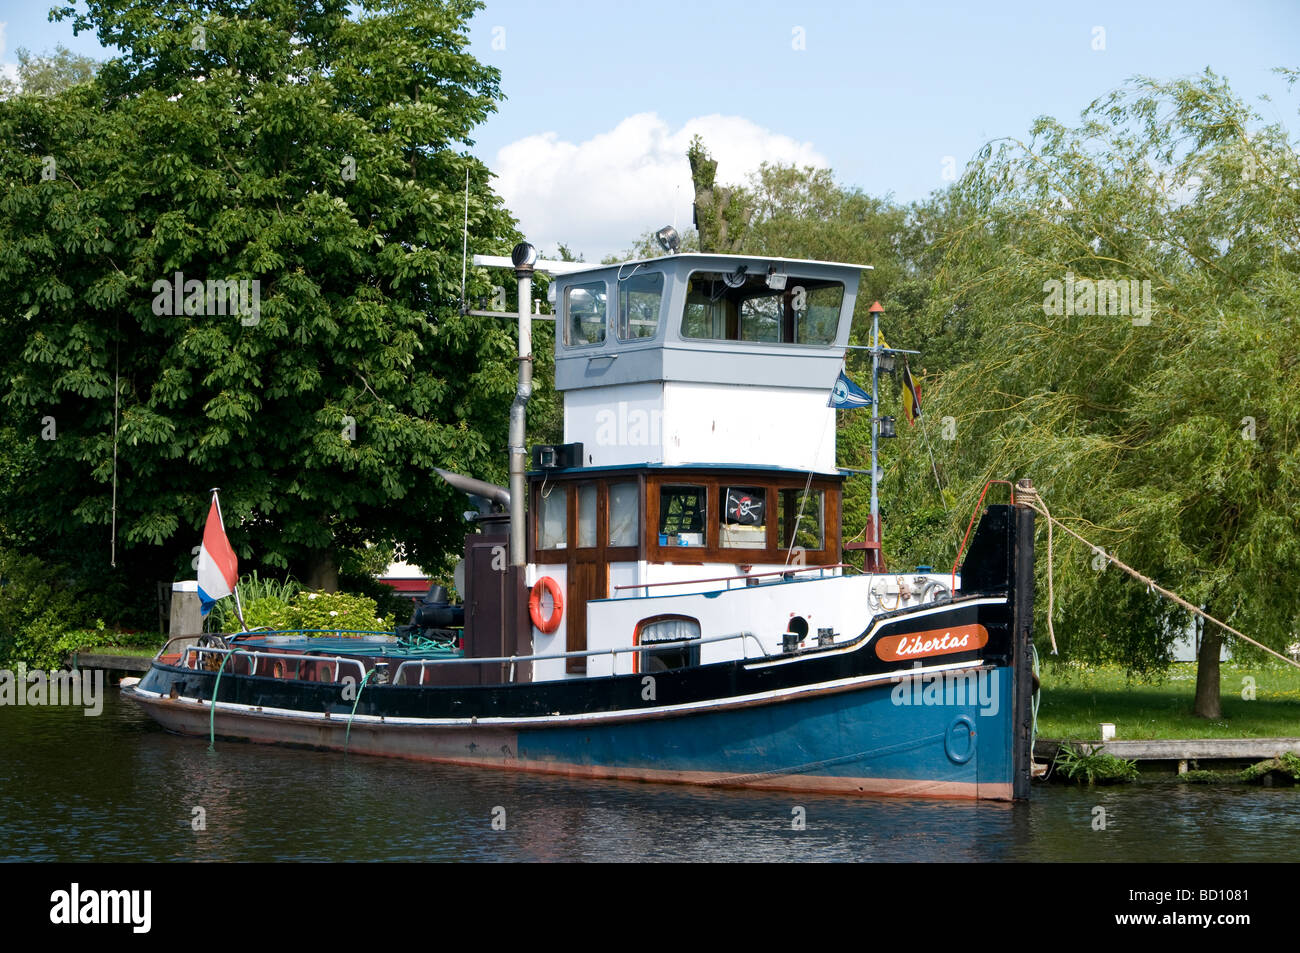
{"points": [[553, 518], [800, 520], [584, 307], [639, 298], [668, 629], [586, 516], [624, 514], [744, 518], [740, 306], [682, 515]]}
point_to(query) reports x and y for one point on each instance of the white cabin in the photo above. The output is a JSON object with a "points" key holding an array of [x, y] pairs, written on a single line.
{"points": [[704, 501]]}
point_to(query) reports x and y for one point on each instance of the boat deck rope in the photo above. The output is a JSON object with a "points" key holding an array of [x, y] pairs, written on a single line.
{"points": [[1033, 499]]}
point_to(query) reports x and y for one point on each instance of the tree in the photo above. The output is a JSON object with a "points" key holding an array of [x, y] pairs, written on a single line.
{"points": [[316, 157], [720, 214], [1131, 286], [48, 73]]}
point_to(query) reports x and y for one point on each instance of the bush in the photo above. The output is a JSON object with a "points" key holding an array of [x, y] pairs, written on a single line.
{"points": [[1094, 767], [272, 604], [37, 609], [261, 598]]}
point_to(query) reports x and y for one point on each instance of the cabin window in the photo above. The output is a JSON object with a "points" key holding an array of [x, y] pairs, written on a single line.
{"points": [[744, 518], [586, 516], [760, 318], [740, 306], [681, 515], [799, 520], [553, 518], [668, 629], [585, 306], [639, 298], [819, 320], [624, 514]]}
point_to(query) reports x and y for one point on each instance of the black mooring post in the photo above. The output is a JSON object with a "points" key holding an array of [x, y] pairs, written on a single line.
{"points": [[1022, 616]]}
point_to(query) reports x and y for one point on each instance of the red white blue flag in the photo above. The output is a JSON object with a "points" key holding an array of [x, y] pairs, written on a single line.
{"points": [[218, 567]]}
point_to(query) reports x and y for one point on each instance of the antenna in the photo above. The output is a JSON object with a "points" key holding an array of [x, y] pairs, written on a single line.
{"points": [[464, 247]]}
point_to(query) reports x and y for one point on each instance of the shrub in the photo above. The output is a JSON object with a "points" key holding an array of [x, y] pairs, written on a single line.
{"points": [[37, 608], [1094, 767], [271, 604]]}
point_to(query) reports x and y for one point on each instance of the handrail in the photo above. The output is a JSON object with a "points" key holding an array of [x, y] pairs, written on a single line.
{"points": [[337, 659], [512, 659], [234, 635], [501, 659], [748, 575]]}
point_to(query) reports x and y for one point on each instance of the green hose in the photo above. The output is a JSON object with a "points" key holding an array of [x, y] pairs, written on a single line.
{"points": [[348, 734], [212, 712]]}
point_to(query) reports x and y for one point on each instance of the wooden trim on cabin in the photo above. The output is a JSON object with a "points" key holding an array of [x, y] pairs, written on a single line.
{"points": [[715, 482]]}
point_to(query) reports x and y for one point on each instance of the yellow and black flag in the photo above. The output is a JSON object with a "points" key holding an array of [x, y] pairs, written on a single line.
{"points": [[911, 396]]}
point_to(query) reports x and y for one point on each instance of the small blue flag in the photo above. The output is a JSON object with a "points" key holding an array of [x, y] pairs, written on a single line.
{"points": [[846, 394]]}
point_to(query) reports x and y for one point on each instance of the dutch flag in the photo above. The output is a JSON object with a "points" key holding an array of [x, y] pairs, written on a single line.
{"points": [[218, 567]]}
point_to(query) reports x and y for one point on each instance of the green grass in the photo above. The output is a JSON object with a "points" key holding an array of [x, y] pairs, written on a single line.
{"points": [[1076, 700], [119, 650]]}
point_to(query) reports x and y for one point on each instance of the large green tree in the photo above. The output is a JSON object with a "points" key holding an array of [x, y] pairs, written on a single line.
{"points": [[1156, 412], [1167, 434], [317, 148]]}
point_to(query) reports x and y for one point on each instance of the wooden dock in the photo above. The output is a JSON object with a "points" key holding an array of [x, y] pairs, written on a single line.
{"points": [[111, 663], [1184, 753]]}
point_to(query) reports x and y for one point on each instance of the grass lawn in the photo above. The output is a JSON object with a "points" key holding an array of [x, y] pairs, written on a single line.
{"points": [[1076, 700], [118, 650]]}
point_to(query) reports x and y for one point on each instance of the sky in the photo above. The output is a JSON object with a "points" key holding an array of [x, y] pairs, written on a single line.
{"points": [[602, 99]]}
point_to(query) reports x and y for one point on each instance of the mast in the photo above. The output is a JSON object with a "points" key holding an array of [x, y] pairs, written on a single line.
{"points": [[524, 258], [875, 425]]}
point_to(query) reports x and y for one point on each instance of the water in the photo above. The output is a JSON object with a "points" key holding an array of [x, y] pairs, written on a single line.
{"points": [[119, 788]]}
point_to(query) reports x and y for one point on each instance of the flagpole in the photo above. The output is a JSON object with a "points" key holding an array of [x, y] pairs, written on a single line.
{"points": [[239, 610], [875, 426]]}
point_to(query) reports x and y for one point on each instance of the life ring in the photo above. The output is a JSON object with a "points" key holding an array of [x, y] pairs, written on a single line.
{"points": [[549, 625]]}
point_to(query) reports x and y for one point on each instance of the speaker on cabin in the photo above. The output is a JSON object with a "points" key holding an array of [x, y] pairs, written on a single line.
{"points": [[559, 456]]}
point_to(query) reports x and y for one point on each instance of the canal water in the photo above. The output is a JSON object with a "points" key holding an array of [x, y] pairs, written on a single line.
{"points": [[118, 788]]}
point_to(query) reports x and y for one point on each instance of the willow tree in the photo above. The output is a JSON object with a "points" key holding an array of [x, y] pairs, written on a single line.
{"points": [[313, 152], [1130, 286]]}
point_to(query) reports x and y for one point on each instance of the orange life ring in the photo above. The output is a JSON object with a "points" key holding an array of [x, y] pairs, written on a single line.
{"points": [[549, 625]]}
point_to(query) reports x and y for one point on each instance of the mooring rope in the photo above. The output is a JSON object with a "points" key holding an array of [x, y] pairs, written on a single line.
{"points": [[1034, 500]]}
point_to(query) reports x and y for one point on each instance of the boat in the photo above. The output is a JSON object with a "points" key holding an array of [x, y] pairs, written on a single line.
{"points": [[665, 595]]}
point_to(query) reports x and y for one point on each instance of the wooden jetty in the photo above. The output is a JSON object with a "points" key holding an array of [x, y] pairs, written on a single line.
{"points": [[1182, 753]]}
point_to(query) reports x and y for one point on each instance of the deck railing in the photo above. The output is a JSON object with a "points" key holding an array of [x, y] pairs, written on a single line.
{"points": [[193, 652], [822, 570], [337, 660], [585, 653]]}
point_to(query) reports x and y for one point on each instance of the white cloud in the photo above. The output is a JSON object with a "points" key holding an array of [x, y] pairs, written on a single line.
{"points": [[599, 196]]}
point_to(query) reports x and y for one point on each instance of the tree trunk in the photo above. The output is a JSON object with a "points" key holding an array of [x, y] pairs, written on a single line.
{"points": [[322, 573], [1207, 674]]}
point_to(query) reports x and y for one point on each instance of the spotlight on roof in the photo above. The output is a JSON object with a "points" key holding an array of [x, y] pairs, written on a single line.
{"points": [[668, 239], [524, 256]]}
